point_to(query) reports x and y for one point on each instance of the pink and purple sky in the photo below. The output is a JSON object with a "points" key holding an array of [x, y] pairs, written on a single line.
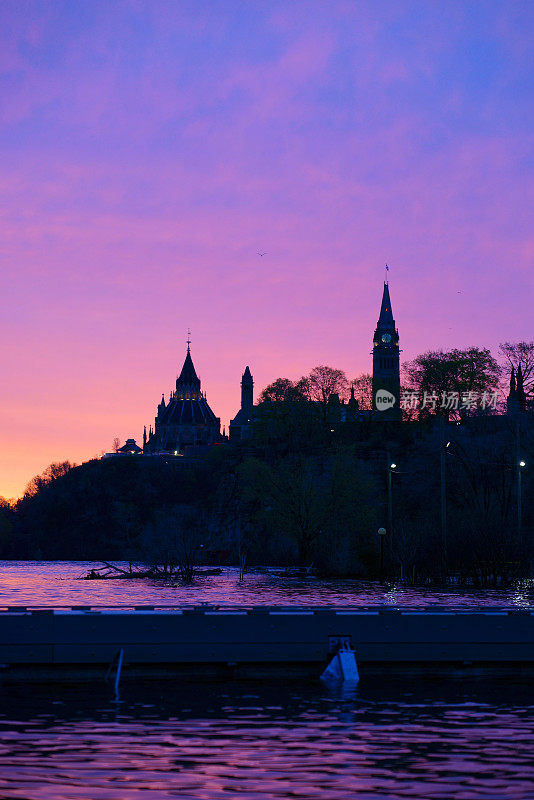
{"points": [[150, 150]]}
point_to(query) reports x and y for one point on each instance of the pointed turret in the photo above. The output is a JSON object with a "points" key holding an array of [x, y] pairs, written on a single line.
{"points": [[516, 400], [512, 383], [188, 382], [520, 390], [519, 383], [385, 320], [247, 391], [353, 405], [188, 377], [241, 424]]}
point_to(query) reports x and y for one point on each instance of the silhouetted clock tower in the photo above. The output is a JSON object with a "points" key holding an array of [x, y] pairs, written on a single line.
{"points": [[386, 366]]}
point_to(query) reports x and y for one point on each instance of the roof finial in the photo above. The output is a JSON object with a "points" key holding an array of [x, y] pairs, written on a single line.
{"points": [[188, 339], [386, 275]]}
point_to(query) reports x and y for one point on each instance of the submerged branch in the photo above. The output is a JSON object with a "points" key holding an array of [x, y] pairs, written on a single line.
{"points": [[154, 572]]}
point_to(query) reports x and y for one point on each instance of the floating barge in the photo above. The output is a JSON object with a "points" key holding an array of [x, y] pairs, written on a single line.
{"points": [[208, 641]]}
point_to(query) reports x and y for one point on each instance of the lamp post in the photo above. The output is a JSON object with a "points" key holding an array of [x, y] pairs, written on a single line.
{"points": [[520, 466], [443, 493], [391, 467], [381, 534]]}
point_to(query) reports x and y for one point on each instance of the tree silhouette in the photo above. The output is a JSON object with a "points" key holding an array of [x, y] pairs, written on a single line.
{"points": [[436, 374], [284, 390], [363, 390], [323, 382], [51, 473]]}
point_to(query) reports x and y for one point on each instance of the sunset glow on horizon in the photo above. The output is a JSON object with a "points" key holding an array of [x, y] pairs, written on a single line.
{"points": [[153, 150]]}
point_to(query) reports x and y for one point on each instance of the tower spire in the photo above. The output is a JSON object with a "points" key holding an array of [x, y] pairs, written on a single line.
{"points": [[521, 395], [188, 379], [516, 400], [189, 340], [512, 381], [385, 320], [247, 391], [386, 367]]}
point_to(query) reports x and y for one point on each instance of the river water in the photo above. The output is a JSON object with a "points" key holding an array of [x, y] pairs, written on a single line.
{"points": [[406, 740], [453, 739], [56, 583]]}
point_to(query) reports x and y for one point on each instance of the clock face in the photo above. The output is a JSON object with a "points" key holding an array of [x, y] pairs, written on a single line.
{"points": [[386, 338]]}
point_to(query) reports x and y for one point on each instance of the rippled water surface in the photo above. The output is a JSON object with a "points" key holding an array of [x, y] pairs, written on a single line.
{"points": [[449, 740], [56, 583], [411, 739]]}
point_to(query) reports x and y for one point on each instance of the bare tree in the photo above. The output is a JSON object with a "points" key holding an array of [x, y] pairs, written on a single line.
{"points": [[363, 390], [116, 444], [174, 540], [323, 382], [54, 471]]}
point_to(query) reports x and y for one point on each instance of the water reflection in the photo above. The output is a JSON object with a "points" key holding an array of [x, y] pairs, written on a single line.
{"points": [[383, 740], [57, 583], [451, 740]]}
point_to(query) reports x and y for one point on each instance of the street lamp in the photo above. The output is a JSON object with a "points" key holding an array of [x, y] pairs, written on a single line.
{"points": [[391, 469], [381, 534]]}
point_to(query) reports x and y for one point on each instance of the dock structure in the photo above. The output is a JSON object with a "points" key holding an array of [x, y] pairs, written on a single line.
{"points": [[257, 641]]}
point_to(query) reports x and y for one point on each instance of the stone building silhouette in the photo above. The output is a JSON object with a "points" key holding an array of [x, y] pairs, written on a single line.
{"points": [[386, 363], [186, 419], [130, 448], [241, 425], [516, 401]]}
